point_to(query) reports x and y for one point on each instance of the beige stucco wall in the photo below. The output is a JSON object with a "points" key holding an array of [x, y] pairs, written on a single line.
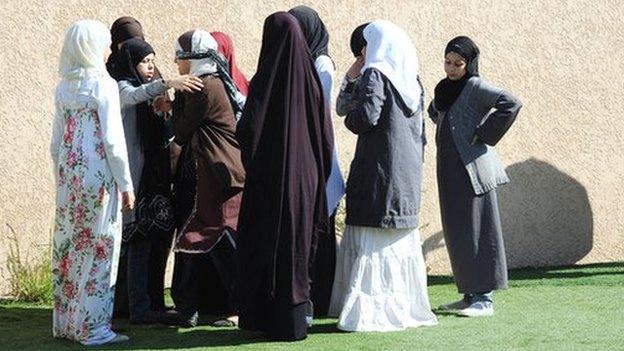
{"points": [[565, 59]]}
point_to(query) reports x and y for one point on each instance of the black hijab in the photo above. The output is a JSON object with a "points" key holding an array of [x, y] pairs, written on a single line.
{"points": [[132, 52], [149, 127], [313, 29], [285, 129], [447, 90], [123, 28], [358, 42]]}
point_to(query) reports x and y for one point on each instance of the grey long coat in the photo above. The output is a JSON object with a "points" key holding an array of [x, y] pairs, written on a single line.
{"points": [[384, 183]]}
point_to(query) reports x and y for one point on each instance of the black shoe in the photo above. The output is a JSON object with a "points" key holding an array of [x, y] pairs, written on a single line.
{"points": [[180, 319], [149, 317]]}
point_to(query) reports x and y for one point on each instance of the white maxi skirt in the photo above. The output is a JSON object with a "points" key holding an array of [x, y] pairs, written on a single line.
{"points": [[381, 281]]}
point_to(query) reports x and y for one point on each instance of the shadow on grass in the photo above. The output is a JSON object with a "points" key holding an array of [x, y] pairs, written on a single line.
{"points": [[29, 327], [555, 273], [172, 338], [325, 327], [440, 280], [26, 328]]}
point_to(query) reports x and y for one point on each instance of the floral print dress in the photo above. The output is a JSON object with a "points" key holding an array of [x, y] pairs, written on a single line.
{"points": [[91, 168]]}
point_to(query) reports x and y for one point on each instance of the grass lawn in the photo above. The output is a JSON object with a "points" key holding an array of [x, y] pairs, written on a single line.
{"points": [[570, 308]]}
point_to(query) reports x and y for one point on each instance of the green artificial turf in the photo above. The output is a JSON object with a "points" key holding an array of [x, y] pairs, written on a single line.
{"points": [[571, 308]]}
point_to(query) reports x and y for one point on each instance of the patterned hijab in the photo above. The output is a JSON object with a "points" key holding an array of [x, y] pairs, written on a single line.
{"points": [[226, 48], [201, 48]]}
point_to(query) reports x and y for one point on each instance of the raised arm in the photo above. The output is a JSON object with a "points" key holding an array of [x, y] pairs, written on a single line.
{"points": [[370, 100], [131, 95]]}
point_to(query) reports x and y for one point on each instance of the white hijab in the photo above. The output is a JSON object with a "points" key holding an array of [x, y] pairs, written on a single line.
{"points": [[201, 42], [82, 55], [390, 50]]}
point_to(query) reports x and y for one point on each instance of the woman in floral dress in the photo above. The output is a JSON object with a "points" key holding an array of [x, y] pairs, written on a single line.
{"points": [[91, 169]]}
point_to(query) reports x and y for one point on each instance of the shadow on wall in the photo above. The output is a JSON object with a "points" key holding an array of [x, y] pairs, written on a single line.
{"points": [[546, 216]]}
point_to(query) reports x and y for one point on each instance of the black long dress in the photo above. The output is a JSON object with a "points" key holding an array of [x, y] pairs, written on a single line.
{"points": [[286, 143]]}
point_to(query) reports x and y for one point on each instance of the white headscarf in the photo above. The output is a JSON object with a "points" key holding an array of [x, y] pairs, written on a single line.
{"points": [[201, 42], [83, 51], [390, 50]]}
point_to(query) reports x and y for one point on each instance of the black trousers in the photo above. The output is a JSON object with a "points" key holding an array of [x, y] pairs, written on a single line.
{"points": [[205, 282], [156, 275], [160, 246]]}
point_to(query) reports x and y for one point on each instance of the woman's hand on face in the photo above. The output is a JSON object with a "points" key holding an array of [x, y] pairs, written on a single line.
{"points": [[356, 67], [127, 201], [186, 83]]}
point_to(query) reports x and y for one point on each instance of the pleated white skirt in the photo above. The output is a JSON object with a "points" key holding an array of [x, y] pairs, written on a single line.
{"points": [[381, 281]]}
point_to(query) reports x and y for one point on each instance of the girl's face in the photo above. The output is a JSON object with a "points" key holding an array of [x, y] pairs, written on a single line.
{"points": [[454, 66], [146, 68]]}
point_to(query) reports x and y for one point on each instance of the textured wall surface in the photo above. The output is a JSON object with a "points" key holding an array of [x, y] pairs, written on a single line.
{"points": [[564, 59]]}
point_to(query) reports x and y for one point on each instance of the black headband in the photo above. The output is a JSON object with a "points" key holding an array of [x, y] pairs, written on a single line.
{"points": [[197, 55]]}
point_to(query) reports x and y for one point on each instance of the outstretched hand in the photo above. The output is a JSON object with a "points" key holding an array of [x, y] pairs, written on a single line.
{"points": [[187, 83]]}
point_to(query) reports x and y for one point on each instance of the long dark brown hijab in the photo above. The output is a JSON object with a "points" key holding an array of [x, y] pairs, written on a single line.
{"points": [[124, 28], [286, 144]]}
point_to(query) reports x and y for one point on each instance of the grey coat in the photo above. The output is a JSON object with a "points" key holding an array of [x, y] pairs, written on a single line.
{"points": [[476, 129], [130, 96], [384, 183]]}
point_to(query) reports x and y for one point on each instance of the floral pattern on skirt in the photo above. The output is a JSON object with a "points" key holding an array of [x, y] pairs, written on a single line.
{"points": [[87, 232]]}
